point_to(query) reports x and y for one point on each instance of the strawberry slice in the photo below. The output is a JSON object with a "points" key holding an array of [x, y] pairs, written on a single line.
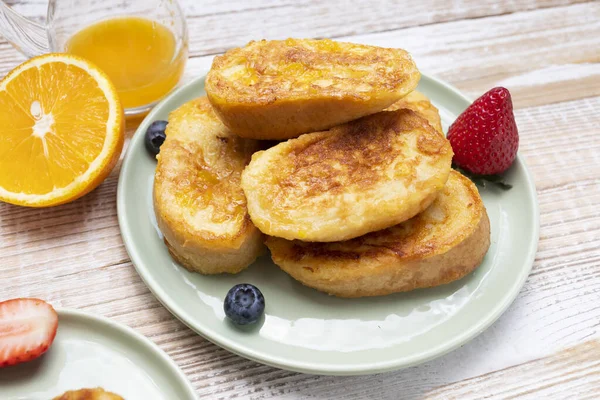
{"points": [[27, 329]]}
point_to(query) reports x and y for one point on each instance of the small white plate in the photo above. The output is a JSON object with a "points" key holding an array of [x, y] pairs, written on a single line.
{"points": [[91, 351]]}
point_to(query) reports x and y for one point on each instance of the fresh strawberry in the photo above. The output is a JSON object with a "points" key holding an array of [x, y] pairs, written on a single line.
{"points": [[27, 329], [484, 137]]}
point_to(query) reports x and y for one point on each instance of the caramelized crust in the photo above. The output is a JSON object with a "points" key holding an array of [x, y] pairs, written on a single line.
{"points": [[420, 104], [88, 394], [199, 204], [442, 244], [279, 89], [356, 178]]}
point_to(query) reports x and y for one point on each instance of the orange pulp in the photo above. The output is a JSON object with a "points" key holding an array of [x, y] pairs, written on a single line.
{"points": [[137, 54]]}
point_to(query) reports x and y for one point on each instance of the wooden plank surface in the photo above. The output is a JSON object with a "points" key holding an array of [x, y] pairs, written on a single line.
{"points": [[545, 346], [553, 53], [573, 373]]}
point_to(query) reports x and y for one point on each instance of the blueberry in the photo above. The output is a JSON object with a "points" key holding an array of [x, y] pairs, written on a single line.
{"points": [[155, 136], [244, 304]]}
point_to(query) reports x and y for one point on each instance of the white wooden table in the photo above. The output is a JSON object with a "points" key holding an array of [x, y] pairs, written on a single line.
{"points": [[547, 345]]}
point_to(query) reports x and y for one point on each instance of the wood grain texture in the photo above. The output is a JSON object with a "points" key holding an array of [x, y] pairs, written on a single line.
{"points": [[310, 18], [545, 346], [543, 56], [336, 18], [573, 373]]}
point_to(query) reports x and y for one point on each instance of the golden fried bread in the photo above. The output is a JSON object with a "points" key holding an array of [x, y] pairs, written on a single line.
{"points": [[360, 177], [442, 244], [279, 89], [420, 104], [198, 201], [88, 394]]}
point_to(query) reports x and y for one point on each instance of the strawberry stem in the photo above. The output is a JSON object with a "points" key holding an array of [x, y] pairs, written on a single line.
{"points": [[482, 180]]}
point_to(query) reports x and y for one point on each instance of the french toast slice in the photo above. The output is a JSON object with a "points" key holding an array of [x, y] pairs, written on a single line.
{"points": [[356, 178], [420, 104], [199, 204], [88, 394], [279, 89], [442, 244]]}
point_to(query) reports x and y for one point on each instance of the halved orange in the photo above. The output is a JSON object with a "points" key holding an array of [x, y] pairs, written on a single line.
{"points": [[61, 130]]}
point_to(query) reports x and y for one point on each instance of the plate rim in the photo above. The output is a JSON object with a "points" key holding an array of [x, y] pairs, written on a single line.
{"points": [[308, 367], [146, 343]]}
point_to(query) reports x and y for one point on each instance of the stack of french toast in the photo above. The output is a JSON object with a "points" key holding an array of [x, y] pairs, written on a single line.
{"points": [[324, 152]]}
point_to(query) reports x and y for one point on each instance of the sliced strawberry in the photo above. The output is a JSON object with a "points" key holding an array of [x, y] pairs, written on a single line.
{"points": [[27, 329]]}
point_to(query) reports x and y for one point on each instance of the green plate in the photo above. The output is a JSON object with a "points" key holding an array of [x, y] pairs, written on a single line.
{"points": [[91, 351], [308, 331]]}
